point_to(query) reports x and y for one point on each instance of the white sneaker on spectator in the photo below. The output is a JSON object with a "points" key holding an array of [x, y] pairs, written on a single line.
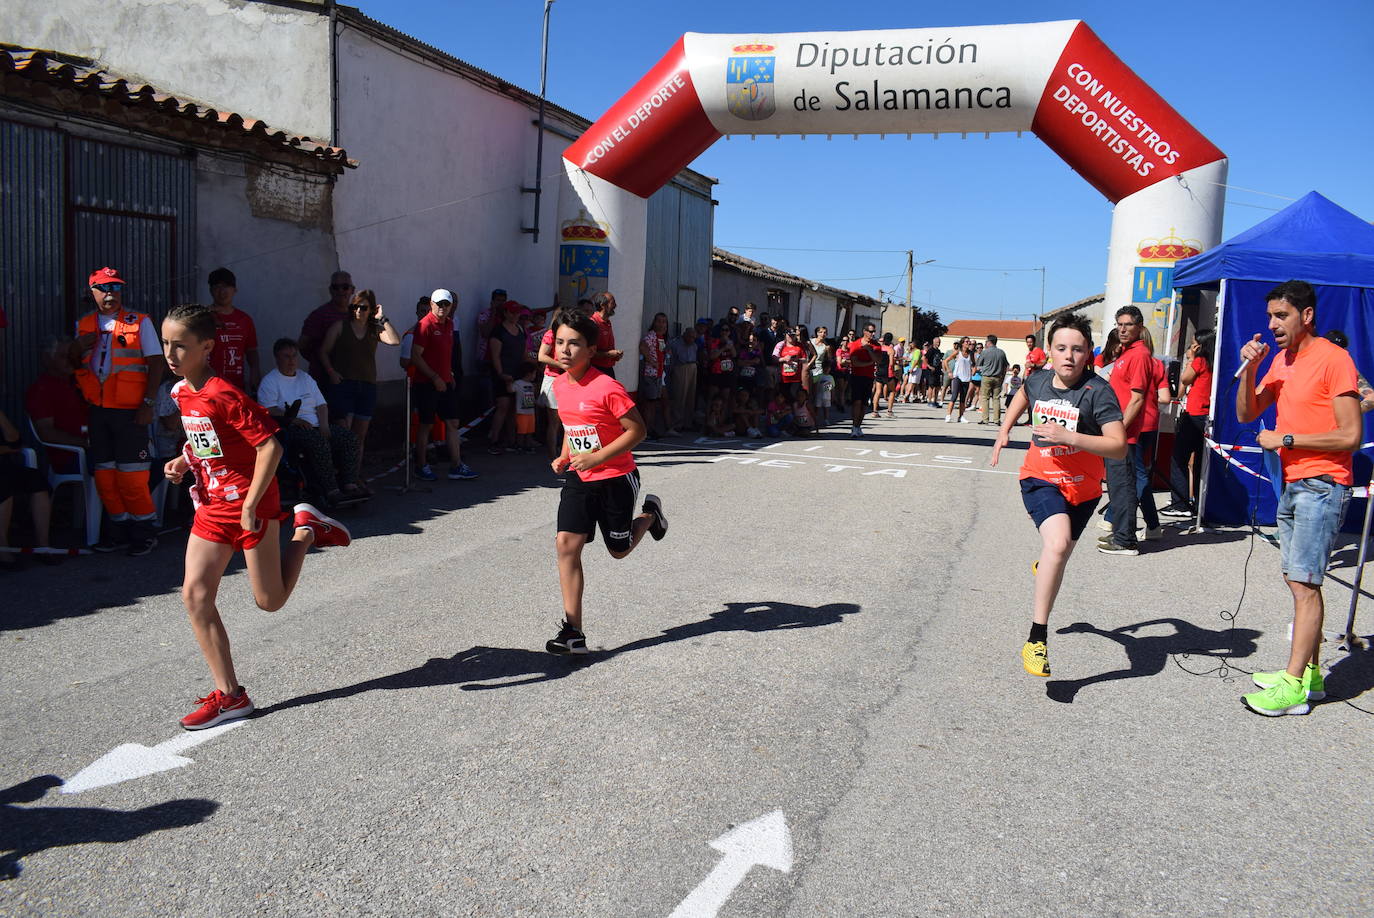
{"points": [[1105, 524], [948, 418], [965, 421]]}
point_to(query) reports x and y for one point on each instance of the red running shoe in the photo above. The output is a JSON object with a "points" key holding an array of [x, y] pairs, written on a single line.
{"points": [[328, 531], [216, 708]]}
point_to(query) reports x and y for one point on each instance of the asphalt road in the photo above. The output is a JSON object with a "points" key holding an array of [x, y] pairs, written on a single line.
{"points": [[829, 633]]}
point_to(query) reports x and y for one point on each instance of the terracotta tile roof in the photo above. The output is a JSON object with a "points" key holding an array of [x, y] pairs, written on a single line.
{"points": [[748, 266], [1004, 329], [78, 84]]}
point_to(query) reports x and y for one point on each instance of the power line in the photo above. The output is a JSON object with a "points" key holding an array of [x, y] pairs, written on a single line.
{"points": [[868, 277], [936, 264], [766, 248]]}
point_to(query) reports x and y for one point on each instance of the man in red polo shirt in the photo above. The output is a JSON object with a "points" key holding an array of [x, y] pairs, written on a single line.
{"points": [[435, 391], [863, 365], [1035, 356], [606, 356], [1130, 381]]}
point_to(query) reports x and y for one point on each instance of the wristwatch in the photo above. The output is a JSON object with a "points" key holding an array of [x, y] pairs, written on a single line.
{"points": [[1287, 441]]}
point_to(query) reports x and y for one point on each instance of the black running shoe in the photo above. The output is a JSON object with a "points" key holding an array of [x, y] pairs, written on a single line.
{"points": [[140, 547], [654, 506], [568, 641], [1178, 511]]}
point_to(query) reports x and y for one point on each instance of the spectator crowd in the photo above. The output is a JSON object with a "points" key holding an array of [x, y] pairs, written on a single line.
{"points": [[103, 397]]}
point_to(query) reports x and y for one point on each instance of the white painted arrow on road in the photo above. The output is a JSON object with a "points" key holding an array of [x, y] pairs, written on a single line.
{"points": [[764, 842], [134, 760]]}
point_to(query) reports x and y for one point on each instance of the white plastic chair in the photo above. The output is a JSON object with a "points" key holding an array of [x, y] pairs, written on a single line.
{"points": [[94, 510]]}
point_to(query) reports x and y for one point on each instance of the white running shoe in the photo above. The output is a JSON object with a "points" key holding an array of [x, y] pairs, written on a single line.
{"points": [[948, 418]]}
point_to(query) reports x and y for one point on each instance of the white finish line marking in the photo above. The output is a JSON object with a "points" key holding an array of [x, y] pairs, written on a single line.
{"points": [[134, 760], [764, 842], [959, 463]]}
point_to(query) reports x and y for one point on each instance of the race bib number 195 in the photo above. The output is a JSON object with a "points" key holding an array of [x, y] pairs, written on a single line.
{"points": [[201, 436], [583, 438]]}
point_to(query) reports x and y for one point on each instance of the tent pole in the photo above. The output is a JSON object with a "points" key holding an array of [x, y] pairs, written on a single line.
{"points": [[1212, 412], [1349, 640]]}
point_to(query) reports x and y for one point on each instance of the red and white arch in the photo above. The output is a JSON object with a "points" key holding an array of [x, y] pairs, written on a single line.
{"points": [[1056, 79]]}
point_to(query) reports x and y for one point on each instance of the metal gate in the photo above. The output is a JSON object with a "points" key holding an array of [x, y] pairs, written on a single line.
{"points": [[69, 205]]}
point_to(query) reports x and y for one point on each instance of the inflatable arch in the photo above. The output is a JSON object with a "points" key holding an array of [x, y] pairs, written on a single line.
{"points": [[1056, 79]]}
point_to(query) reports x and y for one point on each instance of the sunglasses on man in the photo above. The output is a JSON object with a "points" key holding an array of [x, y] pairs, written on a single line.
{"points": [[111, 287]]}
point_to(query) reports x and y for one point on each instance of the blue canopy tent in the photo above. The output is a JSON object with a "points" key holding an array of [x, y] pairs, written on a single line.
{"points": [[1313, 240]]}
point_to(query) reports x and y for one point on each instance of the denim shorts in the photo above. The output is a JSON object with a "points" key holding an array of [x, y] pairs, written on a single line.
{"points": [[352, 397], [1309, 517]]}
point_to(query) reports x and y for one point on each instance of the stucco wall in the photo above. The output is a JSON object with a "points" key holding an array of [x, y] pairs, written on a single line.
{"points": [[282, 265], [443, 162], [259, 59]]}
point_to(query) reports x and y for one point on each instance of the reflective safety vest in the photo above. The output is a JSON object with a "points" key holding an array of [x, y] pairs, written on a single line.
{"points": [[127, 383]]}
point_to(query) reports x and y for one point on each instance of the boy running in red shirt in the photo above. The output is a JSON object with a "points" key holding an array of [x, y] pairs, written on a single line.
{"points": [[231, 450], [601, 425], [1075, 422]]}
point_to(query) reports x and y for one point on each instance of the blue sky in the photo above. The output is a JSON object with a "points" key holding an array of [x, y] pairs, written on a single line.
{"points": [[1282, 88]]}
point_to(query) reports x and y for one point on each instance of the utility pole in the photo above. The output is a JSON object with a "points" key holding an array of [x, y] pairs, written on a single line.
{"points": [[910, 313]]}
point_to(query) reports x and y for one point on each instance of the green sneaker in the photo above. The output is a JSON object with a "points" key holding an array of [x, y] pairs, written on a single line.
{"points": [[1312, 681], [1286, 696]]}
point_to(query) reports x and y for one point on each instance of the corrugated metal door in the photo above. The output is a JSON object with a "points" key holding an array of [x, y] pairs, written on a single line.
{"points": [[134, 210], [30, 251]]}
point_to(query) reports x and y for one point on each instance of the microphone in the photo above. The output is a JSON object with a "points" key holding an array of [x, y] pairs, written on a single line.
{"points": [[1246, 362]]}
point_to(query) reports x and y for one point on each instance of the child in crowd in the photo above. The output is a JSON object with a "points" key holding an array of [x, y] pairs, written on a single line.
{"points": [[525, 395], [602, 426], [824, 386], [803, 422], [718, 423], [1075, 423], [1014, 381], [746, 415], [779, 414], [233, 455]]}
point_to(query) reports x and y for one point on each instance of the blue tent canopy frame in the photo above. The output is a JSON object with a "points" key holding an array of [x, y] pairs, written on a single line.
{"points": [[1314, 240]]}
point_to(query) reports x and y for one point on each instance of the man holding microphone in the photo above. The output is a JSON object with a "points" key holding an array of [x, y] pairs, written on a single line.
{"points": [[1317, 428]]}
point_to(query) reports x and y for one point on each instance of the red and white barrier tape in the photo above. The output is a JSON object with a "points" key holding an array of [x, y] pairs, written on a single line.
{"points": [[468, 428], [1222, 451]]}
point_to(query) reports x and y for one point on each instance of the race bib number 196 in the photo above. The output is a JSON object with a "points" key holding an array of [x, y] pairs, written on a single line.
{"points": [[201, 436], [583, 438]]}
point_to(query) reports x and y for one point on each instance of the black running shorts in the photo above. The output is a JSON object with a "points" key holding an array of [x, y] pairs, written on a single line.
{"points": [[860, 388], [610, 503]]}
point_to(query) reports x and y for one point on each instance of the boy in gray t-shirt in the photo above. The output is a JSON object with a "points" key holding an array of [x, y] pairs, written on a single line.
{"points": [[1075, 422]]}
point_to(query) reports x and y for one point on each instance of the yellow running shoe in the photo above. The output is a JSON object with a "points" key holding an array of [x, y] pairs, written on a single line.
{"points": [[1035, 657], [1035, 567]]}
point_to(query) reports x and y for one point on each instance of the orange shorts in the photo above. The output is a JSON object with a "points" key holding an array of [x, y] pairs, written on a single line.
{"points": [[221, 521], [524, 423]]}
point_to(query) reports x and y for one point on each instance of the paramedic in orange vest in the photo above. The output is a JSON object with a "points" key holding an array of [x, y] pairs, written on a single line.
{"points": [[119, 368]]}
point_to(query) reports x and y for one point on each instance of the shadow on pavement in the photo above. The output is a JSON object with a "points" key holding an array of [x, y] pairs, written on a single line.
{"points": [[29, 830], [481, 668], [1148, 654], [1350, 676]]}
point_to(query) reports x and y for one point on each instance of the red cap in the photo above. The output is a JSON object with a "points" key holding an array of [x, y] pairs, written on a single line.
{"points": [[513, 306], [104, 276]]}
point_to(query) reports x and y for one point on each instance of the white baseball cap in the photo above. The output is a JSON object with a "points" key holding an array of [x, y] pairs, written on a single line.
{"points": [[441, 295]]}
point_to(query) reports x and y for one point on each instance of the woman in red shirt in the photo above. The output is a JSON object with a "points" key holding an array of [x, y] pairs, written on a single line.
{"points": [[1192, 426]]}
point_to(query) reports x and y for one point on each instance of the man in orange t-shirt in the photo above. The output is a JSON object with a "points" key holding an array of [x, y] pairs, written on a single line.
{"points": [[1317, 427]]}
